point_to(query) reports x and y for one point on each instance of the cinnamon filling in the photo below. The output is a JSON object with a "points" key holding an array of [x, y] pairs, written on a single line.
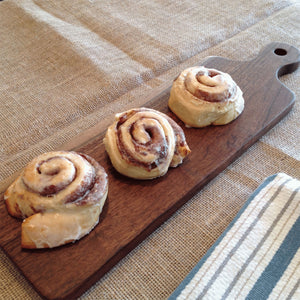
{"points": [[209, 85], [43, 184], [95, 190], [153, 143], [92, 185]]}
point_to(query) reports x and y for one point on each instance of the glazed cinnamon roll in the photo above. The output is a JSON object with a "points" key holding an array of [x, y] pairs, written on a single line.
{"points": [[143, 143], [200, 97], [60, 196]]}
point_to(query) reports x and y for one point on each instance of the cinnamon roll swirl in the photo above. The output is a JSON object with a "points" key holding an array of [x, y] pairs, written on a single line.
{"points": [[60, 196], [143, 143], [200, 97]]}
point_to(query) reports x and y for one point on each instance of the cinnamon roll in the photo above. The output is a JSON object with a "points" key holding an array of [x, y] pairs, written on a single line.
{"points": [[143, 143], [200, 97], [60, 196]]}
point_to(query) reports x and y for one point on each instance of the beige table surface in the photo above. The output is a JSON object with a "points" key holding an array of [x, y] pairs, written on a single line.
{"points": [[68, 65]]}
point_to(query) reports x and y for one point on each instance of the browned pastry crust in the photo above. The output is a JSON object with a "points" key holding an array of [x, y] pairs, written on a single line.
{"points": [[60, 196]]}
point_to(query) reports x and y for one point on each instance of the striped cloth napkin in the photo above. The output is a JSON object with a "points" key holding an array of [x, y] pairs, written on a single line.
{"points": [[258, 256]]}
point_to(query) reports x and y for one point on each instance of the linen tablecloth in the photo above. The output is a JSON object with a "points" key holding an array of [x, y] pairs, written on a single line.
{"points": [[67, 66]]}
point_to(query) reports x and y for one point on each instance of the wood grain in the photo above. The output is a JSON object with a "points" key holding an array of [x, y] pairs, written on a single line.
{"points": [[134, 209]]}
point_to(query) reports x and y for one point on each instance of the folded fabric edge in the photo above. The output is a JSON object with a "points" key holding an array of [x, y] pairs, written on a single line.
{"points": [[194, 271]]}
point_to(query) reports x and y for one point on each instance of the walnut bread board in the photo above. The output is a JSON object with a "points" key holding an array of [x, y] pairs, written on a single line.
{"points": [[134, 208]]}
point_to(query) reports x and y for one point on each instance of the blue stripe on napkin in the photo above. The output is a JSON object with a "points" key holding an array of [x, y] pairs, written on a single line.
{"points": [[258, 254], [265, 284]]}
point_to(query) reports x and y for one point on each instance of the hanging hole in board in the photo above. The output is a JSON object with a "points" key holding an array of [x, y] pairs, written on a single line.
{"points": [[280, 51]]}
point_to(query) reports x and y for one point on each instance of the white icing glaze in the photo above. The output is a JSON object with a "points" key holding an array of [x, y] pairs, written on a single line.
{"points": [[56, 216], [55, 228]]}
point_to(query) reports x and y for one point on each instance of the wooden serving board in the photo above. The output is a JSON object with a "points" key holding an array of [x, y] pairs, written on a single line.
{"points": [[134, 208]]}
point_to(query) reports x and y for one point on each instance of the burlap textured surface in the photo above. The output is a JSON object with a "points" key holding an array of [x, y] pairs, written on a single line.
{"points": [[67, 66]]}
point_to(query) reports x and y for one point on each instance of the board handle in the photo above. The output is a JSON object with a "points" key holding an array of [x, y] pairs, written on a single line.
{"points": [[283, 57]]}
